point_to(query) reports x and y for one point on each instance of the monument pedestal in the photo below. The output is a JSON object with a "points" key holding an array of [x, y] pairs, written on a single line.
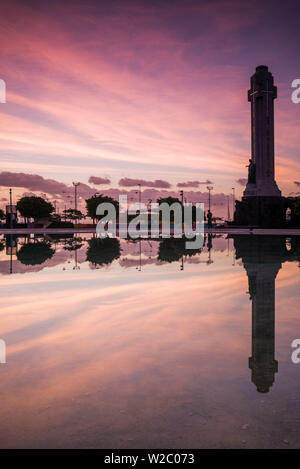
{"points": [[262, 211], [263, 188]]}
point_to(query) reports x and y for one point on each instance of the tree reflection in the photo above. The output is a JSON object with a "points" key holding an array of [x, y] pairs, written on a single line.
{"points": [[103, 251], [35, 253], [172, 250], [73, 244]]}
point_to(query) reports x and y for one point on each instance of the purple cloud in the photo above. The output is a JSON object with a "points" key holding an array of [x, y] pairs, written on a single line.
{"points": [[242, 181], [158, 183], [193, 183], [98, 180], [33, 182]]}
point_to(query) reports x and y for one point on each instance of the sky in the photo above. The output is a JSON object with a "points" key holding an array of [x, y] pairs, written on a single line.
{"points": [[105, 92]]}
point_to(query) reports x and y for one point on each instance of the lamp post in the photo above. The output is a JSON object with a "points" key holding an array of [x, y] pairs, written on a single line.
{"points": [[181, 195], [233, 201], [75, 184], [140, 195], [209, 188], [228, 209], [10, 209]]}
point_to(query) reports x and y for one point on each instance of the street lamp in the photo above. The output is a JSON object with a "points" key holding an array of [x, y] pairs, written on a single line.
{"points": [[233, 202], [181, 195], [209, 188], [228, 209], [10, 209], [140, 194], [75, 184]]}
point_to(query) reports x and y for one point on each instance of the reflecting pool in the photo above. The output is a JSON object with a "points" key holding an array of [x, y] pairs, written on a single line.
{"points": [[122, 344]]}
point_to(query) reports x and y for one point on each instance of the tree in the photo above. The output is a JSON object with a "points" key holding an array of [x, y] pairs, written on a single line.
{"points": [[2, 215], [35, 253], [95, 200], [173, 200], [34, 207], [168, 200], [56, 218], [72, 214]]}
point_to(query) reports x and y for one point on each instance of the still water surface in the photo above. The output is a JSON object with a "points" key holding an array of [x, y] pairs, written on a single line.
{"points": [[140, 345]]}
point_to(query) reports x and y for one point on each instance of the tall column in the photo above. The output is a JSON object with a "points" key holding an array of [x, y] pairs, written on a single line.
{"points": [[261, 181]]}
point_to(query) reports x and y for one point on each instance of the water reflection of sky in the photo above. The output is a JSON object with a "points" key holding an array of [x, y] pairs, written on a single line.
{"points": [[121, 358]]}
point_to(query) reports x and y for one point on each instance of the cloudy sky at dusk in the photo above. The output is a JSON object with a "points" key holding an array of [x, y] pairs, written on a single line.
{"points": [[155, 91]]}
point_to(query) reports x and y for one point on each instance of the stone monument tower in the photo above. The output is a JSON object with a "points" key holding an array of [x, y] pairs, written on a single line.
{"points": [[261, 180], [262, 204]]}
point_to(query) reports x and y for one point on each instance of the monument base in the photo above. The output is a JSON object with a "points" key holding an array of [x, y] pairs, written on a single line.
{"points": [[264, 212], [265, 188]]}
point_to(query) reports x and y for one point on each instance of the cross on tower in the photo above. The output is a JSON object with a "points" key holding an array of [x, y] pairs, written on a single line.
{"points": [[252, 95], [267, 91]]}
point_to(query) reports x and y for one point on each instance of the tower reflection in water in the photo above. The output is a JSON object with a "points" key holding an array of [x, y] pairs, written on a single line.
{"points": [[262, 257]]}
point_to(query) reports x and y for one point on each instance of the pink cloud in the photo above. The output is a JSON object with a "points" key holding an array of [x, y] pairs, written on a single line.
{"points": [[37, 184], [98, 180], [242, 181], [195, 115], [128, 182], [193, 183], [33, 182]]}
